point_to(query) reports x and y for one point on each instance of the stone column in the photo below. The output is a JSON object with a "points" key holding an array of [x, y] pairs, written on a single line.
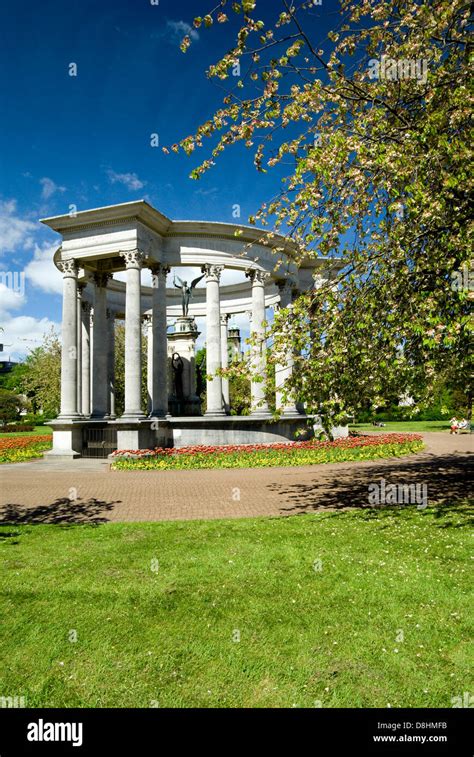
{"points": [[91, 352], [225, 362], [80, 290], [158, 387], [149, 361], [133, 335], [69, 341], [85, 362], [284, 369], [213, 339], [111, 362], [258, 349], [100, 352]]}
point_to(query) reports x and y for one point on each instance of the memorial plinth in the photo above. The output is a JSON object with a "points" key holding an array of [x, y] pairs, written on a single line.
{"points": [[182, 398]]}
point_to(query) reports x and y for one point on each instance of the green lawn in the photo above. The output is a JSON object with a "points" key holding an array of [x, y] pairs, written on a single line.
{"points": [[382, 619], [400, 426], [37, 430]]}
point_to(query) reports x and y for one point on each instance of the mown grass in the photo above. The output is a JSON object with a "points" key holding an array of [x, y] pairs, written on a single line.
{"points": [[38, 430], [158, 608], [403, 426]]}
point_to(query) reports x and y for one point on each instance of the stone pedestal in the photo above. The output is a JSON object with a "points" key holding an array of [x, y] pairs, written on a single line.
{"points": [[147, 433], [182, 399], [67, 440]]}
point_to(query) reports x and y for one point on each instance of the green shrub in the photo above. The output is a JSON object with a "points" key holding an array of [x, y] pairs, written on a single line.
{"points": [[36, 419], [14, 428]]}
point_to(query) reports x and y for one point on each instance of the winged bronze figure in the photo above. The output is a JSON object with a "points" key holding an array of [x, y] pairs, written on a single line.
{"points": [[186, 291]]}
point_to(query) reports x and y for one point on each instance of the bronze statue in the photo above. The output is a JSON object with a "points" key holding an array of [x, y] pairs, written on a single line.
{"points": [[178, 367], [186, 291]]}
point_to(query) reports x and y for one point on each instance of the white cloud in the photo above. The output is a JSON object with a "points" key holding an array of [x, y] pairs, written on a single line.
{"points": [[180, 29], [201, 192], [10, 299], [24, 333], [130, 180], [49, 188], [41, 271], [15, 233]]}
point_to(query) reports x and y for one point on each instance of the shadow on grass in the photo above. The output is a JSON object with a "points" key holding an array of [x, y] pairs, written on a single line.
{"points": [[61, 511], [447, 479]]}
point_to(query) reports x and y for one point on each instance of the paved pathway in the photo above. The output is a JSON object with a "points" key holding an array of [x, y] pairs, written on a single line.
{"points": [[40, 491]]}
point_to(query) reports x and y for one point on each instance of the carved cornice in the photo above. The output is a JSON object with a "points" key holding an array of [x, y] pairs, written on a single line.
{"points": [[212, 272], [246, 238], [107, 222], [133, 258]]}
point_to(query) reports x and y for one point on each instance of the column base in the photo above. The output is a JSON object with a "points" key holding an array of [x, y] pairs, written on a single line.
{"points": [[214, 413], [158, 415], [138, 416], [290, 412], [262, 411], [64, 454]]}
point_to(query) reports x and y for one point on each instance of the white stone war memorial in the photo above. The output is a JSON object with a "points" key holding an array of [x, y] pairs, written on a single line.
{"points": [[133, 236]]}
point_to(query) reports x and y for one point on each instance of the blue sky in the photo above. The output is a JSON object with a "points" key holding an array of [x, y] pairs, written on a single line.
{"points": [[85, 139]]}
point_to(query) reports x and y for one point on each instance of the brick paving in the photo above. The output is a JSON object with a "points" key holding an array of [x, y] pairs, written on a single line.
{"points": [[40, 491]]}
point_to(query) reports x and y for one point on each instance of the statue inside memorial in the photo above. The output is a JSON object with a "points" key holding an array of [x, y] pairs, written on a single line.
{"points": [[186, 291], [178, 367]]}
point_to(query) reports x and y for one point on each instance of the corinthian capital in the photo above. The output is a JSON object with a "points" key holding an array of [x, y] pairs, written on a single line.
{"points": [[68, 268], [257, 276], [158, 270], [101, 278], [212, 272], [162, 269], [133, 258], [286, 288]]}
